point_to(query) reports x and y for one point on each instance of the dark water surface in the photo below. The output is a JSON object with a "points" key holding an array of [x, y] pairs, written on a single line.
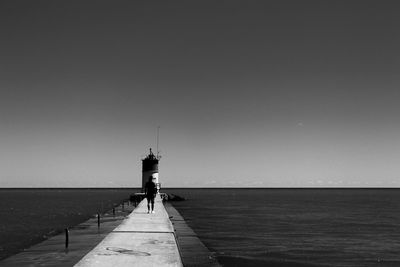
{"points": [[29, 216], [296, 227]]}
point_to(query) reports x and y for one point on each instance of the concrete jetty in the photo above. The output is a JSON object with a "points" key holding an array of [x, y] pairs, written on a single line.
{"points": [[141, 240]]}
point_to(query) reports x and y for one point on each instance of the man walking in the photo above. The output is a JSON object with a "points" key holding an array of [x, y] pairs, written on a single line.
{"points": [[150, 191]]}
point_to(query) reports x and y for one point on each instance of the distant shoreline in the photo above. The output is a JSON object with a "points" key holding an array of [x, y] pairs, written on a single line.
{"points": [[172, 188]]}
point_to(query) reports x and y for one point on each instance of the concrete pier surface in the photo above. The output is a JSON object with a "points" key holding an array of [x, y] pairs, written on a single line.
{"points": [[138, 239], [141, 240]]}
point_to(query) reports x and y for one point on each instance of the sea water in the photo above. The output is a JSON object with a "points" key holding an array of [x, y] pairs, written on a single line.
{"points": [[29, 216], [296, 227]]}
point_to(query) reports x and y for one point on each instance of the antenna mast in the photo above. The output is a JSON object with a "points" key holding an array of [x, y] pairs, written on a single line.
{"points": [[158, 133]]}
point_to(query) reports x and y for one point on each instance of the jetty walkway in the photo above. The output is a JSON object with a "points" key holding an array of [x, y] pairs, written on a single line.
{"points": [[132, 237], [141, 240]]}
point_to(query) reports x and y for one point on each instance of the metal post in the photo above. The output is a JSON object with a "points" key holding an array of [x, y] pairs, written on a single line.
{"points": [[66, 237], [98, 220]]}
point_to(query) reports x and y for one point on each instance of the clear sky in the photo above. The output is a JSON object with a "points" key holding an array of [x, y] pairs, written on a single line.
{"points": [[253, 93]]}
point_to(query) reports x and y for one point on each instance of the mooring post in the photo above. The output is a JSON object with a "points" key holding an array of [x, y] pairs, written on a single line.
{"points": [[98, 220], [66, 237]]}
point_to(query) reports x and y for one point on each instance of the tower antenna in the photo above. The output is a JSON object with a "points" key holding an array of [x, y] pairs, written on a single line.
{"points": [[158, 133]]}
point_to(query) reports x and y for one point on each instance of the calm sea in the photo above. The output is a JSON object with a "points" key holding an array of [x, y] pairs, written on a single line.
{"points": [[29, 216], [296, 227], [244, 227]]}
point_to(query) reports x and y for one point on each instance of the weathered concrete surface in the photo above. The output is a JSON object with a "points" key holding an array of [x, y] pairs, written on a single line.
{"points": [[82, 238], [193, 252], [137, 239], [141, 240]]}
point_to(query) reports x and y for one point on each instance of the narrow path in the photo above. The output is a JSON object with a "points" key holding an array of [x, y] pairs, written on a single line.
{"points": [[141, 240]]}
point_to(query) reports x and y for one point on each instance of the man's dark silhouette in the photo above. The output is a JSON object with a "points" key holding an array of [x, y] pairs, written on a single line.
{"points": [[150, 191]]}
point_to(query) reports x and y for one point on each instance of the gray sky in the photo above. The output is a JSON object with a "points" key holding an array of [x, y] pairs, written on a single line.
{"points": [[252, 93]]}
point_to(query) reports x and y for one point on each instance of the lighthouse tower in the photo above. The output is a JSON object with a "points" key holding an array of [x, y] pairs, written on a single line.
{"points": [[150, 169]]}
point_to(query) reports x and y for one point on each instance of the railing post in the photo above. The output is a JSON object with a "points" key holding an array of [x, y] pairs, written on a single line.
{"points": [[66, 237]]}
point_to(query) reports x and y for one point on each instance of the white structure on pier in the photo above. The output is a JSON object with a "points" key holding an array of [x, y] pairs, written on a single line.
{"points": [[150, 169]]}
